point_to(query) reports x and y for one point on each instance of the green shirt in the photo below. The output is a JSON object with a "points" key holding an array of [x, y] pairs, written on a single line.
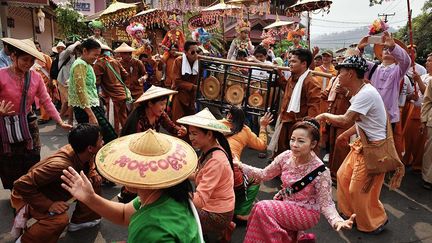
{"points": [[165, 220], [82, 90]]}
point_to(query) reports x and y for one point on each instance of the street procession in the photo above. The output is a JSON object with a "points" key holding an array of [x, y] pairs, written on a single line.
{"points": [[292, 121]]}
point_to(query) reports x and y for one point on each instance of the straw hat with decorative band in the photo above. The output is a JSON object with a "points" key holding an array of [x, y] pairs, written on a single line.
{"points": [[124, 48], [154, 92], [27, 46], [204, 119], [378, 48], [60, 44], [147, 160]]}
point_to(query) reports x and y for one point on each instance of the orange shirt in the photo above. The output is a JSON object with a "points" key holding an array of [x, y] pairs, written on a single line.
{"points": [[245, 138], [215, 185]]}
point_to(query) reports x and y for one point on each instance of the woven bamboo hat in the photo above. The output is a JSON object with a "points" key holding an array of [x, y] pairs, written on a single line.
{"points": [[60, 44], [27, 46], [204, 119], [124, 48], [147, 160], [154, 92]]}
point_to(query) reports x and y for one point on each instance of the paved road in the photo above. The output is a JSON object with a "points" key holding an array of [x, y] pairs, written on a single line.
{"points": [[409, 209]]}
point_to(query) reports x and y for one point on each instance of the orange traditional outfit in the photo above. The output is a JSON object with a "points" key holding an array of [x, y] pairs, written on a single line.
{"points": [[309, 106], [44, 70], [338, 104]]}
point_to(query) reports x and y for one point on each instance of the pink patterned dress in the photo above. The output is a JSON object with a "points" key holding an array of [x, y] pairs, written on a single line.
{"points": [[279, 220]]}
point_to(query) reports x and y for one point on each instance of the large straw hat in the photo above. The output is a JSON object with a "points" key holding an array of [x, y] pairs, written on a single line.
{"points": [[60, 44], [204, 119], [27, 46], [147, 160], [124, 48], [154, 92], [378, 48]]}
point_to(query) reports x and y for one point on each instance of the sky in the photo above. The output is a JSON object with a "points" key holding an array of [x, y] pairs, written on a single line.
{"points": [[349, 14]]}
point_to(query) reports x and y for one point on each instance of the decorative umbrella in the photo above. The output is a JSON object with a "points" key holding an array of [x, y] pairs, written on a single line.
{"points": [[117, 13], [309, 6], [152, 18], [221, 7], [250, 3], [278, 23], [207, 23]]}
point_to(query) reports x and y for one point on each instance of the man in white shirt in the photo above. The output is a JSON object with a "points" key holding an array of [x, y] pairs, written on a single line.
{"points": [[426, 120], [357, 192]]}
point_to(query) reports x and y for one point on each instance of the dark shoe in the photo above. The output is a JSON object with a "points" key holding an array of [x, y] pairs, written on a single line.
{"points": [[41, 121], [378, 230], [427, 185]]}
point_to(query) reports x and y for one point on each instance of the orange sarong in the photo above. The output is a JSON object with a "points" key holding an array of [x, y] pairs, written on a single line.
{"points": [[352, 176]]}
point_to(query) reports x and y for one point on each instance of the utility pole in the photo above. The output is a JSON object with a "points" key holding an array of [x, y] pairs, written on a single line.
{"points": [[385, 16]]}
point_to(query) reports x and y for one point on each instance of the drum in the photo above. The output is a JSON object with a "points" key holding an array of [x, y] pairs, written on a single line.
{"points": [[211, 88], [234, 94]]}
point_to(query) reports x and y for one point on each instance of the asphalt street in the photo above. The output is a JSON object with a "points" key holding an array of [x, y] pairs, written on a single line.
{"points": [[409, 208]]}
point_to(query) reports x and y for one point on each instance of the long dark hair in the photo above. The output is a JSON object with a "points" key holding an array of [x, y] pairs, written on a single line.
{"points": [[130, 126], [237, 119], [223, 142], [180, 192]]}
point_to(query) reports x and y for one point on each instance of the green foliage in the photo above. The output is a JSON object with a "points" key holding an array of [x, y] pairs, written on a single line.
{"points": [[70, 22], [422, 31], [281, 47]]}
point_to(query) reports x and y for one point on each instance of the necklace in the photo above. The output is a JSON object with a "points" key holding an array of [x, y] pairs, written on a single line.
{"points": [[358, 90]]}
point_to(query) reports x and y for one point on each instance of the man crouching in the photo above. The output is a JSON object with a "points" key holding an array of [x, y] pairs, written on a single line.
{"points": [[39, 195]]}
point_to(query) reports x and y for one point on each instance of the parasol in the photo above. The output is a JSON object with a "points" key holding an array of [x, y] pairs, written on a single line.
{"points": [[221, 7], [248, 3], [117, 12], [278, 23], [153, 17], [310, 6], [207, 22]]}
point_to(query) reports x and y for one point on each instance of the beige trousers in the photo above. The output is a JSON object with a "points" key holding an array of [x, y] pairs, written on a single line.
{"points": [[427, 157]]}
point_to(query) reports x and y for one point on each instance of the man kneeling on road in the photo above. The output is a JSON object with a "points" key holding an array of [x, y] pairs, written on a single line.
{"points": [[39, 194]]}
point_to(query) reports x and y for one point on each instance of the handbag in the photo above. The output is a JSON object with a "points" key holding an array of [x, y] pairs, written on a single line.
{"points": [[15, 129], [382, 157], [129, 98]]}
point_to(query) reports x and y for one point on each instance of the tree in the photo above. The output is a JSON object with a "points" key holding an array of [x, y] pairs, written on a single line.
{"points": [[422, 31], [71, 22]]}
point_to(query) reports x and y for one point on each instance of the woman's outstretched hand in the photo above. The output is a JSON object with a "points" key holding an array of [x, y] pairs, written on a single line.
{"points": [[346, 224], [78, 185]]}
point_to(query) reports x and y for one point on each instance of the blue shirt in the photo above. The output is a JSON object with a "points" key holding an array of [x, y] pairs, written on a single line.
{"points": [[5, 60]]}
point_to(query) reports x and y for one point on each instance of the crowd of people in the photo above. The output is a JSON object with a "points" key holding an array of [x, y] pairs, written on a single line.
{"points": [[115, 102]]}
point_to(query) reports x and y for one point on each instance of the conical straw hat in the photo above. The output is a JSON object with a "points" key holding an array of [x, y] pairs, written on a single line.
{"points": [[147, 160], [124, 48], [27, 46], [204, 119], [154, 92], [60, 44]]}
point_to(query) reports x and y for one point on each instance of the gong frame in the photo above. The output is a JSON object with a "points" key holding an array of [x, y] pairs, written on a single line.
{"points": [[214, 66]]}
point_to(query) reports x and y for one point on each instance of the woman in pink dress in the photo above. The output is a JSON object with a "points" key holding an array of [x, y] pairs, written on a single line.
{"points": [[19, 133], [306, 191]]}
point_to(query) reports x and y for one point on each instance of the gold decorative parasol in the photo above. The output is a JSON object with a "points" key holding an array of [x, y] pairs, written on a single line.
{"points": [[309, 6], [221, 7], [117, 13], [278, 23]]}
